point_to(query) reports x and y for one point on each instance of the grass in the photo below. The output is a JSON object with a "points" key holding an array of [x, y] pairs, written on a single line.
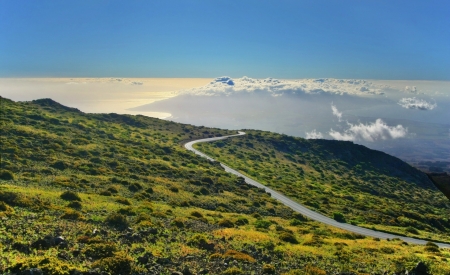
{"points": [[143, 225]]}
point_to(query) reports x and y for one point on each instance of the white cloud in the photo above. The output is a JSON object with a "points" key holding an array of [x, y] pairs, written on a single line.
{"points": [[277, 87], [411, 89], [415, 103], [378, 130], [336, 112], [136, 83], [314, 135]]}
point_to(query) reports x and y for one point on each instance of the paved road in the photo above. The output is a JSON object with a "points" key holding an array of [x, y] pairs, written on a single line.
{"points": [[302, 209]]}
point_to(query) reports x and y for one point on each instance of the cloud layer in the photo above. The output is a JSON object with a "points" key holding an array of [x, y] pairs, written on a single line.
{"points": [[415, 103], [226, 86], [377, 130]]}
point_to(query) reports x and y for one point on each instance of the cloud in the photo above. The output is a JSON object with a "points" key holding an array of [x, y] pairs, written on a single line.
{"points": [[137, 83], [277, 87], [411, 89], [336, 112], [415, 103], [314, 135], [377, 130]]}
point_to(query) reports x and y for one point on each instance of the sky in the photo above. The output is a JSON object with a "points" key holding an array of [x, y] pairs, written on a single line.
{"points": [[206, 39]]}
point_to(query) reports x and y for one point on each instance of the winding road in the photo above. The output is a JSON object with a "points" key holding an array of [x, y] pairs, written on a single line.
{"points": [[300, 208]]}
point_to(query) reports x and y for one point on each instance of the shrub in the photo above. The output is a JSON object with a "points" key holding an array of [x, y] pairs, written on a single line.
{"points": [[123, 201], [312, 270], [70, 196], [70, 214], [119, 264], [105, 193], [75, 205], [113, 189], [288, 237], [226, 223], [268, 269], [295, 222], [100, 250], [339, 217], [431, 247], [128, 211], [6, 175], [173, 189], [387, 250], [233, 271], [262, 224], [412, 230], [177, 222], [238, 256], [196, 214], [134, 187], [241, 221], [117, 220]]}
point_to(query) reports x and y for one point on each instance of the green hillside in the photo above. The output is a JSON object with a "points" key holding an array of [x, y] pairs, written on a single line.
{"points": [[118, 194], [370, 188]]}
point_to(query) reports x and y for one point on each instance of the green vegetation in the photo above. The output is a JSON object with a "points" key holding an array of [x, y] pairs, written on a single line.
{"points": [[118, 194], [342, 180]]}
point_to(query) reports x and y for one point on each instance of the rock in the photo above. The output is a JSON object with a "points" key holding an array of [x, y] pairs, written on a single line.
{"points": [[420, 269]]}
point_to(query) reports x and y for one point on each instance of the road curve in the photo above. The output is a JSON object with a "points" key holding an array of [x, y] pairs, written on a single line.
{"points": [[300, 208]]}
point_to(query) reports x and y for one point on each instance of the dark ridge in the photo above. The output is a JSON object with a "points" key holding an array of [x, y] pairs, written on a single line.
{"points": [[441, 181], [47, 102]]}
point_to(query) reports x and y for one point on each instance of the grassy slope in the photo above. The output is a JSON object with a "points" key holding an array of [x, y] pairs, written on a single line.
{"points": [[149, 206], [368, 187]]}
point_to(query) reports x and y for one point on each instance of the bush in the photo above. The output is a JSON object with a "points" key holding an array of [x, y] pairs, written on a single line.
{"points": [[100, 250], [128, 211], [387, 250], [177, 223], [70, 214], [70, 196], [117, 220], [268, 269], [412, 230], [339, 217], [262, 224], [226, 223], [75, 205], [113, 189], [238, 256], [233, 271], [288, 237], [431, 247], [118, 265], [6, 175], [295, 222], [105, 193], [241, 221], [196, 214], [123, 201]]}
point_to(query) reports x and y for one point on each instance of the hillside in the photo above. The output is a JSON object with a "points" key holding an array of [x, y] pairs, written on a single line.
{"points": [[368, 188], [118, 194]]}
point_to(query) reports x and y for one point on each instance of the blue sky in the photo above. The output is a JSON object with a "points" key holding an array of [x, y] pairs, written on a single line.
{"points": [[282, 39]]}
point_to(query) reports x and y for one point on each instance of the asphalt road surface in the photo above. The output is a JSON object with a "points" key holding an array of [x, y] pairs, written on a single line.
{"points": [[302, 209]]}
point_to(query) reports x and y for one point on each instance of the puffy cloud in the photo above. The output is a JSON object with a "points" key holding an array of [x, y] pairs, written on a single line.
{"points": [[411, 89], [378, 130], [314, 135], [276, 87], [415, 103], [336, 112]]}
